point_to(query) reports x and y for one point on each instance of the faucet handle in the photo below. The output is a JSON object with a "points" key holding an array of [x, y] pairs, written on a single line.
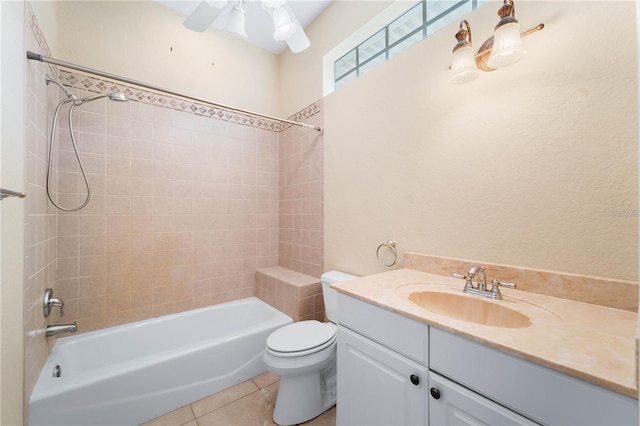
{"points": [[495, 284], [48, 301], [468, 284]]}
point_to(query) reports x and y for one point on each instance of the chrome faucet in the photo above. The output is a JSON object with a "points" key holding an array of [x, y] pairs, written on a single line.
{"points": [[53, 330], [480, 289], [482, 277], [48, 301]]}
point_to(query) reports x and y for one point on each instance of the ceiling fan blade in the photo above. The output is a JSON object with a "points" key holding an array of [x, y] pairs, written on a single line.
{"points": [[299, 40], [204, 15]]}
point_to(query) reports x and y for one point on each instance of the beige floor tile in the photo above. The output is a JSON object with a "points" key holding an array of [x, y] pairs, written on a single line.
{"points": [[223, 398], [265, 379], [271, 392], [253, 409], [178, 417]]}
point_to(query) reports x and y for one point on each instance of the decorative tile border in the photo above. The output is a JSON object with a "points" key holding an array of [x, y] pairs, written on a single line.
{"points": [[101, 85], [619, 294], [33, 24], [35, 27]]}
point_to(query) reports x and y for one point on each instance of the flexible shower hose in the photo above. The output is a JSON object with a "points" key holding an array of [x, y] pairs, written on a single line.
{"points": [[75, 149]]}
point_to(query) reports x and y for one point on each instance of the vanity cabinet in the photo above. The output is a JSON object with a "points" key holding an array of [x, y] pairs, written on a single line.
{"points": [[452, 404], [378, 386], [396, 370]]}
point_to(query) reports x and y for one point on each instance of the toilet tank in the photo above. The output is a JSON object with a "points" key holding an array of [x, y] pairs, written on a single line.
{"points": [[330, 295]]}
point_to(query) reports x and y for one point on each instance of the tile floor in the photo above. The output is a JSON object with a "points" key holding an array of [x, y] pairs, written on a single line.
{"points": [[246, 404]]}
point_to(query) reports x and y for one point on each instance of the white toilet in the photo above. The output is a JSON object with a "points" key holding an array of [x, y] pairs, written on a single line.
{"points": [[303, 354]]}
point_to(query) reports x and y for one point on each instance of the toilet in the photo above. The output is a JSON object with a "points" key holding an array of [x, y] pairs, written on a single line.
{"points": [[303, 354]]}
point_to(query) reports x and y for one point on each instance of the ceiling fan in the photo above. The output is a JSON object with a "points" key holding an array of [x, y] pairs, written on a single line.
{"points": [[230, 16]]}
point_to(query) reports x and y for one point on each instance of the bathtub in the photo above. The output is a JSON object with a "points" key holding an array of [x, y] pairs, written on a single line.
{"points": [[132, 373]]}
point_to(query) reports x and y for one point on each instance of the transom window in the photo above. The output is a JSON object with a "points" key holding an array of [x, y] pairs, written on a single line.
{"points": [[418, 23]]}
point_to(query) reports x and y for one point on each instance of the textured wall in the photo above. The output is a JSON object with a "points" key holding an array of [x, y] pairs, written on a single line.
{"points": [[147, 42], [532, 165]]}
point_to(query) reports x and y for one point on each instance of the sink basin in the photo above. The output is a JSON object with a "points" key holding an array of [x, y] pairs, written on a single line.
{"points": [[470, 309]]}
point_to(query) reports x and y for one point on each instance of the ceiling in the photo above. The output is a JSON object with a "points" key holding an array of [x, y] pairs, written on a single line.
{"points": [[259, 26]]}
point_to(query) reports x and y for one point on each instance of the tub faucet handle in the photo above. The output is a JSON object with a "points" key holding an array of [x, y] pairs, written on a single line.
{"points": [[48, 301]]}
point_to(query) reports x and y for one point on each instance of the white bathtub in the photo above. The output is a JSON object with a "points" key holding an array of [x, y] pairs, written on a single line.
{"points": [[129, 374]]}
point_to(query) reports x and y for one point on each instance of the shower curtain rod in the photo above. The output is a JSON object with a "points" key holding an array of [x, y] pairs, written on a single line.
{"points": [[42, 58]]}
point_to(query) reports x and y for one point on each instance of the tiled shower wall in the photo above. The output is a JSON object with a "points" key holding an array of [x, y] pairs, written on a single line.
{"points": [[301, 201], [184, 209], [40, 216]]}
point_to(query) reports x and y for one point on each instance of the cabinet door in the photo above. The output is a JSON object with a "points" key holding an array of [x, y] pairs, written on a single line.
{"points": [[452, 404], [376, 386]]}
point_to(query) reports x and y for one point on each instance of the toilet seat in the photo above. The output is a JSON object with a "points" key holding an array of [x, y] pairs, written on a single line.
{"points": [[301, 338]]}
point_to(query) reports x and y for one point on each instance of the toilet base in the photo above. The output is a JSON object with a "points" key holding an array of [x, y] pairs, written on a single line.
{"points": [[305, 396]]}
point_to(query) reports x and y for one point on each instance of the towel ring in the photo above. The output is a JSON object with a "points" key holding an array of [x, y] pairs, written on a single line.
{"points": [[392, 246]]}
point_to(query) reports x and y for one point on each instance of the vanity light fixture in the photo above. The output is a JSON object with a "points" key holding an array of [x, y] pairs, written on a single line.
{"points": [[504, 48]]}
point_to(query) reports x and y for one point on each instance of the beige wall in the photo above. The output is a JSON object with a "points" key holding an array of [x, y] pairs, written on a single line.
{"points": [[135, 39], [533, 165], [301, 73]]}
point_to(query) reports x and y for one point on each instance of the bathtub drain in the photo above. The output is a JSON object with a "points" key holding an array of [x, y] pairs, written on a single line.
{"points": [[56, 371]]}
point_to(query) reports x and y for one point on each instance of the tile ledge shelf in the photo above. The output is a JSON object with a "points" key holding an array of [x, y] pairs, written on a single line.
{"points": [[613, 293]]}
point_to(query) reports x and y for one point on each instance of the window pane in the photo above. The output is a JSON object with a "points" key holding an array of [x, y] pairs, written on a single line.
{"points": [[380, 59], [406, 23], [437, 8], [344, 64], [347, 78], [405, 44], [372, 46], [454, 15]]}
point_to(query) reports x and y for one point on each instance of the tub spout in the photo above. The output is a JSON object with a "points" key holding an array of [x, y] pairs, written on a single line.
{"points": [[53, 330]]}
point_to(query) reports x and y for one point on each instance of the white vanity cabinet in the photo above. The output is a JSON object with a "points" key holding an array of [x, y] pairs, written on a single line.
{"points": [[539, 393], [395, 370], [452, 404], [377, 385]]}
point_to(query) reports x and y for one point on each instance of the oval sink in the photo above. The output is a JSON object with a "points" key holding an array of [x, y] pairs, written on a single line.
{"points": [[470, 309]]}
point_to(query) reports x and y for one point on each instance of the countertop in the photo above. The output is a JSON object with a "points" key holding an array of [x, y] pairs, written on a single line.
{"points": [[591, 342]]}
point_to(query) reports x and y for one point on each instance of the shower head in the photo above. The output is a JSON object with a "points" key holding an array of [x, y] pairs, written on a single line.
{"points": [[116, 96]]}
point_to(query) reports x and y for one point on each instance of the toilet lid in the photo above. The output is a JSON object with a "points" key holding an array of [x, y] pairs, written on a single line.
{"points": [[301, 336]]}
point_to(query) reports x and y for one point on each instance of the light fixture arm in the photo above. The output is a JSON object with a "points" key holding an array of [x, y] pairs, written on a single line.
{"points": [[463, 34]]}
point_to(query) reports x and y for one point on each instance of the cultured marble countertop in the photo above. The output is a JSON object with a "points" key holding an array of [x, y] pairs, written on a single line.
{"points": [[591, 342]]}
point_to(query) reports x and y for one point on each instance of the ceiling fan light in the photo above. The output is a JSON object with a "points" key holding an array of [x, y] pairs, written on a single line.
{"points": [[274, 4], [284, 26], [236, 22]]}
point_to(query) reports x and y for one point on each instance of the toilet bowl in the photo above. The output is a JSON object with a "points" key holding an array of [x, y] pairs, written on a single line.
{"points": [[303, 354]]}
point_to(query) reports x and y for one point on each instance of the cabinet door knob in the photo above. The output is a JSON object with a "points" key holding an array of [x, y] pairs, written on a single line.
{"points": [[415, 379], [435, 393]]}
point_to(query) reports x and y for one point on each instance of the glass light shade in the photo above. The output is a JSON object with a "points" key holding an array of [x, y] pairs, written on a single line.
{"points": [[507, 46], [273, 4], [235, 23], [284, 26], [463, 66]]}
